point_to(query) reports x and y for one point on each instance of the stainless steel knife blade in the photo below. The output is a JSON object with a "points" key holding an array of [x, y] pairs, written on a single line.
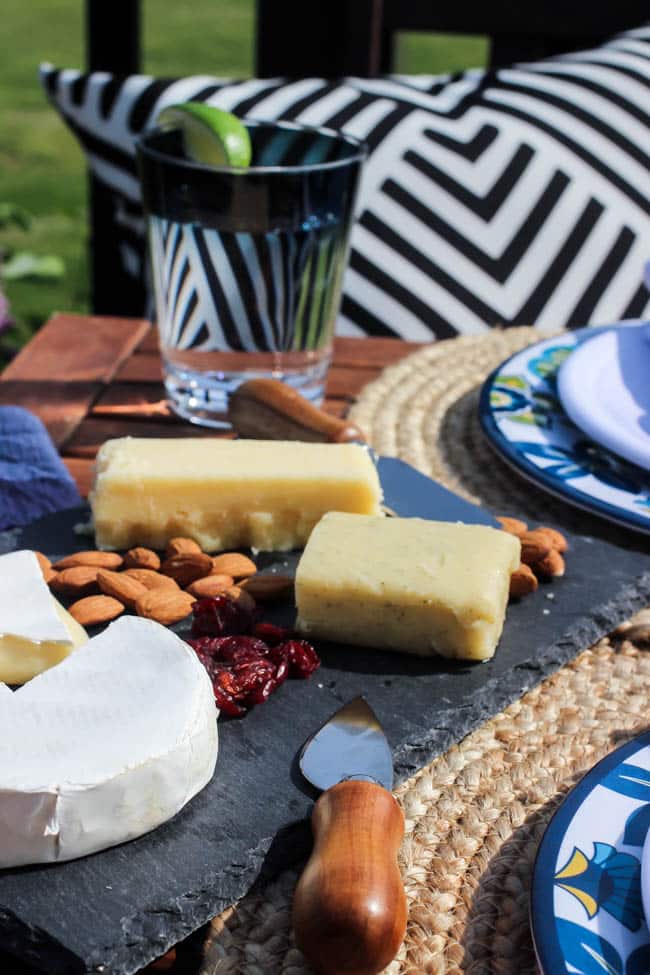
{"points": [[350, 745], [411, 494]]}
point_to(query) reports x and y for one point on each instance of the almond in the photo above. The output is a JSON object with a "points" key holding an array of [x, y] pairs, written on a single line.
{"points": [[141, 558], [49, 574], [233, 564], [94, 610], [120, 586], [267, 587], [556, 538], [164, 606], [151, 579], [552, 565], [534, 547], [512, 525], [244, 599], [182, 546], [185, 569], [522, 581], [44, 562], [210, 586], [102, 560], [642, 618], [638, 633], [79, 580]]}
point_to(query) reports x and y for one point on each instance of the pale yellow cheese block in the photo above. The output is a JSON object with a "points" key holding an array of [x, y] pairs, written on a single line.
{"points": [[22, 659], [406, 584], [226, 493]]}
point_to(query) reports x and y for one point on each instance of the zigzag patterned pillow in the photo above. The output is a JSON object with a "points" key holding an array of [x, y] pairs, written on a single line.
{"points": [[506, 197]]}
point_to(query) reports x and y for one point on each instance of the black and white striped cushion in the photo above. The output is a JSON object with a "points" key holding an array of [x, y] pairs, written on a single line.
{"points": [[515, 196]]}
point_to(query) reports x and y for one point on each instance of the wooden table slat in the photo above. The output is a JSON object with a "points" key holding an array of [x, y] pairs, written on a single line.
{"points": [[145, 367], [149, 343], [64, 368], [82, 470], [77, 348]]}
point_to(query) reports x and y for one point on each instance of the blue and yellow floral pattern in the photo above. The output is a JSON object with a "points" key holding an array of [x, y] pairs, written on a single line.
{"points": [[522, 416], [608, 881], [587, 910]]}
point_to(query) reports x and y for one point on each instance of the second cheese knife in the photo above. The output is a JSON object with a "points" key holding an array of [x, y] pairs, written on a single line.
{"points": [[349, 909], [270, 410]]}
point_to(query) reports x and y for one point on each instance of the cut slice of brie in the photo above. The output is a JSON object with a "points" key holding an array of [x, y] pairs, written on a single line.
{"points": [[36, 632], [5, 693], [104, 747]]}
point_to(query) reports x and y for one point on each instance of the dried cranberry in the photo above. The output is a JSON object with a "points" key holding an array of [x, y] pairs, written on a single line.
{"points": [[280, 657], [251, 675], [207, 646], [220, 616], [262, 693], [303, 659], [241, 648], [245, 670], [205, 658], [271, 633], [224, 694]]}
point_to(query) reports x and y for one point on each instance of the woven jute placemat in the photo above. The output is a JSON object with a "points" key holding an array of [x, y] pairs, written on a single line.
{"points": [[475, 816]]}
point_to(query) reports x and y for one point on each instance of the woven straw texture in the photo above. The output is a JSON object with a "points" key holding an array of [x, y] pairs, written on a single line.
{"points": [[475, 816]]}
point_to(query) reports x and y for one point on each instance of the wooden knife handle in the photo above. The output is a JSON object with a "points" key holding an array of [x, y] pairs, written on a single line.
{"points": [[349, 909], [267, 409]]}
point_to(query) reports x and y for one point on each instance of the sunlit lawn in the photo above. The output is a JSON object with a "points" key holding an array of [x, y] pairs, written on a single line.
{"points": [[41, 166]]}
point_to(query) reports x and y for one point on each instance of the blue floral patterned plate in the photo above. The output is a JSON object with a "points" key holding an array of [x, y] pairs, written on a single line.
{"points": [[586, 912], [523, 419]]}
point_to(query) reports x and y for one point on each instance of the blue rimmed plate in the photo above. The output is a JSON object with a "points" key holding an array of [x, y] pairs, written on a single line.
{"points": [[586, 912], [522, 416]]}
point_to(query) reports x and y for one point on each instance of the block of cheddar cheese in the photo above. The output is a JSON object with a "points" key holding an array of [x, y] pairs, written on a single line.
{"points": [[406, 584], [226, 493]]}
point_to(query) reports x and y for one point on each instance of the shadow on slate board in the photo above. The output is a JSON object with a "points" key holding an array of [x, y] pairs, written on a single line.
{"points": [[115, 911]]}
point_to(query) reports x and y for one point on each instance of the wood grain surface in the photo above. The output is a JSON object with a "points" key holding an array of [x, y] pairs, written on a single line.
{"points": [[349, 908], [91, 378]]}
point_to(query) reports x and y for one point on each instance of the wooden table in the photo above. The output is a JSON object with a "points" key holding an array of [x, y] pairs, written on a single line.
{"points": [[90, 379]]}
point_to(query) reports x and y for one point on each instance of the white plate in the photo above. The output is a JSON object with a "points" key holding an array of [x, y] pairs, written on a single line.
{"points": [[604, 387]]}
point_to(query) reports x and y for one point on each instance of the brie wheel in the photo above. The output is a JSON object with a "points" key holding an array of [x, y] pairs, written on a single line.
{"points": [[104, 747]]}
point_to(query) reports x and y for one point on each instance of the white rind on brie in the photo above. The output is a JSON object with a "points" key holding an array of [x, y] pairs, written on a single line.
{"points": [[104, 747], [26, 607], [36, 632], [5, 693]]}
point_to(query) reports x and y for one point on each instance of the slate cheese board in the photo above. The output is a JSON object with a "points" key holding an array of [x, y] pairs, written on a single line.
{"points": [[113, 912]]}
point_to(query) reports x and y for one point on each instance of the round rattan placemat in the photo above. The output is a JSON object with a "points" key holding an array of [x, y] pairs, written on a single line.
{"points": [[474, 817]]}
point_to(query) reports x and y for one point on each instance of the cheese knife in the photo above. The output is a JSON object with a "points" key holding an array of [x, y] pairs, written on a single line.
{"points": [[349, 909], [268, 409]]}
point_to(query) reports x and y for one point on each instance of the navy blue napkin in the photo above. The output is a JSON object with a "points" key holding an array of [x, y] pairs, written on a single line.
{"points": [[33, 479]]}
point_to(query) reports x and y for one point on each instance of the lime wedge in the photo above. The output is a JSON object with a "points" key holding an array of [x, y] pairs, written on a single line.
{"points": [[210, 135]]}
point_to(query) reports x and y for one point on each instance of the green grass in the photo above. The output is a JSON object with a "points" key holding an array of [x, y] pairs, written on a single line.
{"points": [[42, 166]]}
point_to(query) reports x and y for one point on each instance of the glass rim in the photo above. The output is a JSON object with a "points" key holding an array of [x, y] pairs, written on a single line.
{"points": [[168, 160]]}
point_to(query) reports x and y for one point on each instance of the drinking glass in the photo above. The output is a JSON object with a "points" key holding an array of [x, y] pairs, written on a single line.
{"points": [[247, 264]]}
